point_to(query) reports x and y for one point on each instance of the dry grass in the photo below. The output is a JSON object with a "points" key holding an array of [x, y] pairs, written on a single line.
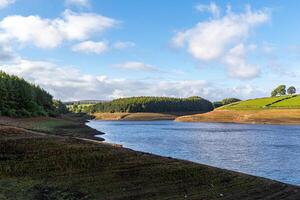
{"points": [[134, 116], [267, 116]]}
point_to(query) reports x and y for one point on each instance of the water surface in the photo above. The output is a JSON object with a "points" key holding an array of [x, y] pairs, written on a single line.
{"points": [[271, 151]]}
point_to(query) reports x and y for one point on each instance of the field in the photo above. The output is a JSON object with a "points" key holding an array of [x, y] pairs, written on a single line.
{"points": [[289, 103], [264, 103], [49, 165]]}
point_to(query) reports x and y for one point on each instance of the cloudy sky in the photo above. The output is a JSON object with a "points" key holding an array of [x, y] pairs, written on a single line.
{"points": [[96, 49]]}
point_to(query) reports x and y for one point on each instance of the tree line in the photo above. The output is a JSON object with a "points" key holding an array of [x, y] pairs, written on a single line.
{"points": [[18, 98], [153, 104], [225, 102]]}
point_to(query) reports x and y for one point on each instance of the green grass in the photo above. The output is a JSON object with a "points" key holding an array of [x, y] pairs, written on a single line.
{"points": [[263, 103], [289, 103]]}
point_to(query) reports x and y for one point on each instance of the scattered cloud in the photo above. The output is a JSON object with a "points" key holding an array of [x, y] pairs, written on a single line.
{"points": [[5, 3], [89, 47], [237, 65], [92, 47], [50, 33], [81, 3], [6, 51], [212, 40], [123, 45], [69, 83], [211, 8], [138, 66]]}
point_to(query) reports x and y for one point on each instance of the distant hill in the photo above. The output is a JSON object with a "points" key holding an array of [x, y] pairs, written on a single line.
{"points": [[154, 105], [84, 102]]}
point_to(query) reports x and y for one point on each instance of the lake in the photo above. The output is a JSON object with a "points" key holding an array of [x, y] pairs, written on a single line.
{"points": [[271, 151]]}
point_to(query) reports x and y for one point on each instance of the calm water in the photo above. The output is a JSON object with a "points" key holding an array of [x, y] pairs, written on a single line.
{"points": [[271, 151]]}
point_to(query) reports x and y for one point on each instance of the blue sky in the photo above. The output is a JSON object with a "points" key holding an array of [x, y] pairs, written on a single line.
{"points": [[88, 49]]}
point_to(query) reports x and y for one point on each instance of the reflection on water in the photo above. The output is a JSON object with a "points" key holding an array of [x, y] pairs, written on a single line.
{"points": [[271, 151]]}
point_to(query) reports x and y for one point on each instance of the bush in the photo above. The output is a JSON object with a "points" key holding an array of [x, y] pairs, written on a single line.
{"points": [[217, 104], [230, 100], [24, 113], [11, 113]]}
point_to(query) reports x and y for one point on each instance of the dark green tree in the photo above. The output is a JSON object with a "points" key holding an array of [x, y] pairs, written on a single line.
{"points": [[280, 90], [291, 90], [18, 98]]}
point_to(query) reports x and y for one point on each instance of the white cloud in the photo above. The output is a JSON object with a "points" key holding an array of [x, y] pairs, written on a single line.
{"points": [[83, 3], [134, 65], [212, 8], [237, 65], [6, 51], [90, 47], [211, 40], [68, 83], [5, 3], [47, 33], [123, 45]]}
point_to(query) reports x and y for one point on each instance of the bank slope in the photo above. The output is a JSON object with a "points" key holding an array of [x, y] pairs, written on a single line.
{"points": [[35, 165]]}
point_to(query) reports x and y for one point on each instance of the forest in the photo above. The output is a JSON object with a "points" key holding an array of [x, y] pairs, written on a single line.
{"points": [[153, 104], [18, 98]]}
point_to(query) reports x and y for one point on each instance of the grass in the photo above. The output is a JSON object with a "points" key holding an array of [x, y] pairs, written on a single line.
{"points": [[34, 166], [289, 103], [261, 103]]}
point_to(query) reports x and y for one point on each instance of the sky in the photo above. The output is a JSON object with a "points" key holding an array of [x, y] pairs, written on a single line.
{"points": [[106, 49]]}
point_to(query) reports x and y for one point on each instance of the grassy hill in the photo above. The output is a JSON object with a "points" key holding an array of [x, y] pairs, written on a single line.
{"points": [[269, 110], [288, 101]]}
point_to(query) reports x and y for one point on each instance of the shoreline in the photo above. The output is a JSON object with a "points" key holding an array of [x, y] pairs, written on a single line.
{"points": [[104, 169], [140, 116], [265, 116]]}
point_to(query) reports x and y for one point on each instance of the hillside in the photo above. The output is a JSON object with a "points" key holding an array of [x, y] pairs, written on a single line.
{"points": [[19, 98], [272, 110], [288, 101], [154, 105]]}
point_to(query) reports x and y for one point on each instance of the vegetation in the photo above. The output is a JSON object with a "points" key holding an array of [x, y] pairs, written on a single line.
{"points": [[39, 166], [260, 103], [291, 90], [79, 108], [154, 104], [83, 102], [288, 103], [281, 90], [225, 102], [19, 98]]}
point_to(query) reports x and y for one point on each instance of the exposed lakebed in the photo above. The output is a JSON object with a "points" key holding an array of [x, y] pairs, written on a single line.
{"points": [[271, 151]]}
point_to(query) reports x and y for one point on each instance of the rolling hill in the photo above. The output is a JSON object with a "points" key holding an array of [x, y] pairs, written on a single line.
{"points": [[269, 110]]}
